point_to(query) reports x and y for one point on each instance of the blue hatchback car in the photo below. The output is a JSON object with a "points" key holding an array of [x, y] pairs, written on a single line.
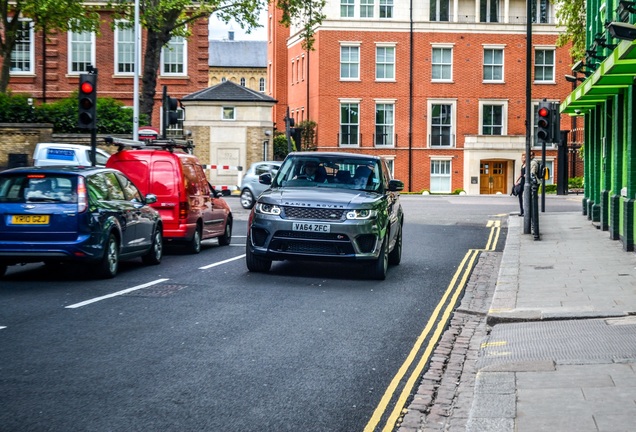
{"points": [[90, 215]]}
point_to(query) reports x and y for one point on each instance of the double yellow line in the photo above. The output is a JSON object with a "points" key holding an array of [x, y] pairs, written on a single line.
{"points": [[455, 288]]}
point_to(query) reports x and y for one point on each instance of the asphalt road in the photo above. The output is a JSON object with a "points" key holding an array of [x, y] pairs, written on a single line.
{"points": [[200, 344]]}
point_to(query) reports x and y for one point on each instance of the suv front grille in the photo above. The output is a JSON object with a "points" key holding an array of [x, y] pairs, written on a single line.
{"points": [[313, 213]]}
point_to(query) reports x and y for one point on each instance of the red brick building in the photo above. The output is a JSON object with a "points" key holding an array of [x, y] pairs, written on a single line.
{"points": [[55, 74], [442, 94]]}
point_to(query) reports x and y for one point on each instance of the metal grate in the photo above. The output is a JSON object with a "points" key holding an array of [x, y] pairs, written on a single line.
{"points": [[313, 213]]}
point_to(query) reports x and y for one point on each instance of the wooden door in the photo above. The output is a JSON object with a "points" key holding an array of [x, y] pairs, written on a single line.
{"points": [[492, 177]]}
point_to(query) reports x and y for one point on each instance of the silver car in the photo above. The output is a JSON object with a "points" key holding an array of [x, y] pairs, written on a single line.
{"points": [[250, 187], [328, 207]]}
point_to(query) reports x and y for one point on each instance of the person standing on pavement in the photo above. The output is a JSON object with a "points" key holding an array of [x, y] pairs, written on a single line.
{"points": [[521, 180]]}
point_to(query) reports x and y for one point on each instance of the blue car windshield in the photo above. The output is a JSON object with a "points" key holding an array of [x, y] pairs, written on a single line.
{"points": [[24, 188], [330, 172]]}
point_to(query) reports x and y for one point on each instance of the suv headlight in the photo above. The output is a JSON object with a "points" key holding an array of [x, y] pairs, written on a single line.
{"points": [[270, 209], [361, 214]]}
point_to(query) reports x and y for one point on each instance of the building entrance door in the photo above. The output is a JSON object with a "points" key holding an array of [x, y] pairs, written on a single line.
{"points": [[492, 177]]}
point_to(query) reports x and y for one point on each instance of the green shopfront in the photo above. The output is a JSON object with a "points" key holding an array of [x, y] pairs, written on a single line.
{"points": [[607, 101]]}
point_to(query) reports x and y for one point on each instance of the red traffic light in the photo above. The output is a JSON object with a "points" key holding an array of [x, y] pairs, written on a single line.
{"points": [[86, 87], [544, 112]]}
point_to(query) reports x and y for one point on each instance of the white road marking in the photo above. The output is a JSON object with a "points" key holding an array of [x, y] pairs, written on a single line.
{"points": [[96, 299], [221, 262], [3, 327]]}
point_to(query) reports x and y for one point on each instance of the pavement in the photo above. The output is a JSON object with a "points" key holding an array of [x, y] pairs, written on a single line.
{"points": [[544, 339]]}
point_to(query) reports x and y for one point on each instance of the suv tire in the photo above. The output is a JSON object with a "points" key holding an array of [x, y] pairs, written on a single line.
{"points": [[396, 254], [256, 263], [380, 266]]}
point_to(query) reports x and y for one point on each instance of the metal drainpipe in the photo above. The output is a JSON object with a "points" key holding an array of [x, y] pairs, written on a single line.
{"points": [[411, 99]]}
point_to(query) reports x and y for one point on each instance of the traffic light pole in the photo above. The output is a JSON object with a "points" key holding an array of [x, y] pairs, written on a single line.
{"points": [[529, 122]]}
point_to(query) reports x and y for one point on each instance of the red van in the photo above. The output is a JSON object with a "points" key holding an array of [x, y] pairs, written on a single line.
{"points": [[190, 209]]}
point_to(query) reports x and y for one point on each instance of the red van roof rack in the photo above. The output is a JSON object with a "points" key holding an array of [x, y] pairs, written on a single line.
{"points": [[165, 143]]}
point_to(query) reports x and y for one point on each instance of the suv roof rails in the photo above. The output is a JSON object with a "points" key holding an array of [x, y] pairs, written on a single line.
{"points": [[165, 143]]}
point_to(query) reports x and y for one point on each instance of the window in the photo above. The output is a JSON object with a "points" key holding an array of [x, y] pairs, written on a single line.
{"points": [[124, 48], [440, 10], [385, 63], [442, 124], [442, 65], [346, 8], [489, 11], [386, 8], [541, 11], [81, 52], [243, 82], [349, 62], [228, 113], [384, 124], [22, 54], [440, 176], [366, 8], [544, 65], [173, 57], [261, 85], [492, 119], [349, 123], [493, 64]]}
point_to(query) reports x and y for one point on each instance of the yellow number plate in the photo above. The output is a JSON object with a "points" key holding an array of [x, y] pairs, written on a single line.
{"points": [[30, 219]]}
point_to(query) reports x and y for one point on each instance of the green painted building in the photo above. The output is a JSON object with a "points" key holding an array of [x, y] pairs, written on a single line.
{"points": [[607, 101]]}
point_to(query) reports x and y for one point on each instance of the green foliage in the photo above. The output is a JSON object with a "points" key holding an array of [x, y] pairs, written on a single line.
{"points": [[307, 135], [576, 183], [112, 116], [15, 109], [280, 146], [571, 16], [458, 191]]}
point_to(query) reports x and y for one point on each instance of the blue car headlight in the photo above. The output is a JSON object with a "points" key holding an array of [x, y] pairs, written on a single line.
{"points": [[361, 214], [268, 209]]}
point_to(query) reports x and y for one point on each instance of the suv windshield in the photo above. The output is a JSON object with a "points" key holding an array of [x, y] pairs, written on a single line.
{"points": [[24, 188], [331, 172]]}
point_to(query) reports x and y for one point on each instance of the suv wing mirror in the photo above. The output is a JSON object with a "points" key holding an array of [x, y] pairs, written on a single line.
{"points": [[396, 185]]}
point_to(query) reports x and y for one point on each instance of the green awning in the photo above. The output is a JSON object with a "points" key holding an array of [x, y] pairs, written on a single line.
{"points": [[615, 73]]}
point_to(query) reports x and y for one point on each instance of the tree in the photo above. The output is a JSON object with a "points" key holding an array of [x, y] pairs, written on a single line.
{"points": [[45, 16], [164, 19], [571, 15]]}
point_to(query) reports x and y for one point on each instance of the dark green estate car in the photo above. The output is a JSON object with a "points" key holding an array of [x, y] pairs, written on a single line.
{"points": [[328, 207]]}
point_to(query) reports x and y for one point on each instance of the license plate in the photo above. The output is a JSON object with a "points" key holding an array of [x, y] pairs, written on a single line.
{"points": [[30, 219], [311, 227]]}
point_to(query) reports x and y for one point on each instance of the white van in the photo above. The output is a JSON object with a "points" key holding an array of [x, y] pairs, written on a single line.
{"points": [[47, 154]]}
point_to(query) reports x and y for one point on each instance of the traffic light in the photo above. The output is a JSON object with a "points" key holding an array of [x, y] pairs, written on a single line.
{"points": [[87, 101], [170, 105], [544, 118]]}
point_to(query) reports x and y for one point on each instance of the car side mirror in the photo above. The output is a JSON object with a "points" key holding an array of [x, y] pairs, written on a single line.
{"points": [[151, 198], [265, 179], [396, 185]]}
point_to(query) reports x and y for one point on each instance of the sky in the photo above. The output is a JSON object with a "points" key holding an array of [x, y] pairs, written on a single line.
{"points": [[219, 30]]}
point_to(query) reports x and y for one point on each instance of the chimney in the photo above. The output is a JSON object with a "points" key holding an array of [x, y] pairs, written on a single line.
{"points": [[230, 35]]}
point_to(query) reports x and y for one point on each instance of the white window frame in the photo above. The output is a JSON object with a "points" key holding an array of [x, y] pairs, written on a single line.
{"points": [[118, 42], [488, 18], [442, 64], [228, 113], [177, 129], [341, 124], [261, 85], [168, 48], [355, 65], [441, 177], [504, 115], [453, 125], [493, 65], [347, 8], [71, 52], [544, 65], [367, 8], [438, 7], [389, 124], [27, 56], [386, 9], [387, 66]]}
